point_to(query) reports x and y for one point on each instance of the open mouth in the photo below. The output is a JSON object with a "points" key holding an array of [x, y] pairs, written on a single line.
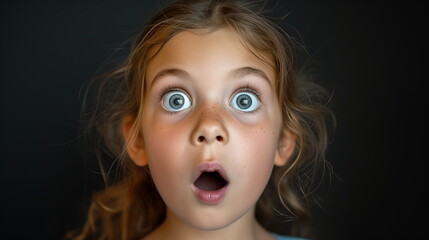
{"points": [[210, 181]]}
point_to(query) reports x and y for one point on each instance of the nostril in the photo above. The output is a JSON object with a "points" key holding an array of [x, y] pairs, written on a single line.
{"points": [[200, 139], [219, 138]]}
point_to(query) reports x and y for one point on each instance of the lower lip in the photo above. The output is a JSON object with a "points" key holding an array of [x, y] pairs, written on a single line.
{"points": [[210, 197]]}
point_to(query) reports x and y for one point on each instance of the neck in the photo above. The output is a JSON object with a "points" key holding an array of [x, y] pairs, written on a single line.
{"points": [[246, 227]]}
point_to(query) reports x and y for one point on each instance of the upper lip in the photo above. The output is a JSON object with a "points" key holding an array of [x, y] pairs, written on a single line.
{"points": [[209, 167]]}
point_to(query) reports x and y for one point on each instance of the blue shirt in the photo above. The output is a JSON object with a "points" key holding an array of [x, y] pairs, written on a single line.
{"points": [[280, 237]]}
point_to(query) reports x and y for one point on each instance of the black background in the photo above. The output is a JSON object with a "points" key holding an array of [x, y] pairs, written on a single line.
{"points": [[372, 56]]}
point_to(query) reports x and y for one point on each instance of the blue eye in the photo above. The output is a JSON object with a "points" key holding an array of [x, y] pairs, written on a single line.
{"points": [[245, 102], [176, 101]]}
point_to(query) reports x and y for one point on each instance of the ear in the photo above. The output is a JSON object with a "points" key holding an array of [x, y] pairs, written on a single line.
{"points": [[285, 148], [133, 141]]}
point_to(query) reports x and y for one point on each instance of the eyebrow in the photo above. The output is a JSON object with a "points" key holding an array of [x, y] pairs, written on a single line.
{"points": [[244, 71], [170, 72], [234, 74]]}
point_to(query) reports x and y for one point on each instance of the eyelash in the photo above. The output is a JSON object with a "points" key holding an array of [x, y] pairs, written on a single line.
{"points": [[167, 90], [252, 90], [170, 89], [248, 88]]}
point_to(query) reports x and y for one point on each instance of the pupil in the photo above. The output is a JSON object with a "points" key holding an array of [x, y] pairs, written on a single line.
{"points": [[244, 101], [177, 101]]}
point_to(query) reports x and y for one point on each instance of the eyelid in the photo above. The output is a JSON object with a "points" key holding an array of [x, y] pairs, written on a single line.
{"points": [[250, 91], [165, 91], [169, 89]]}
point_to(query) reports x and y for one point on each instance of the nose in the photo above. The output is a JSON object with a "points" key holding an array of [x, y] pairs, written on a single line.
{"points": [[209, 129]]}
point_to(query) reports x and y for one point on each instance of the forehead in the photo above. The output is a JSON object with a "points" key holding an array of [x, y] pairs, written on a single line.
{"points": [[202, 53]]}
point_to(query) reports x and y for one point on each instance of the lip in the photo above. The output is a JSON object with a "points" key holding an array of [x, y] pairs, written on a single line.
{"points": [[210, 197]]}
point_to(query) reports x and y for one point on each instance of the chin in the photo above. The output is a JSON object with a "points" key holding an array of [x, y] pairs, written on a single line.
{"points": [[212, 223], [210, 226]]}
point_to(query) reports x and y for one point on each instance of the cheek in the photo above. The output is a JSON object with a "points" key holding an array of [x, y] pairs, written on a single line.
{"points": [[162, 140], [160, 144], [164, 148], [262, 147], [258, 148]]}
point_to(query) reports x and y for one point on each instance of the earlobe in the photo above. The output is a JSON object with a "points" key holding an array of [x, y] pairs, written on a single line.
{"points": [[285, 148], [133, 141]]}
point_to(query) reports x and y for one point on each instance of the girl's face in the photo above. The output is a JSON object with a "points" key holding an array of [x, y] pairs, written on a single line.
{"points": [[211, 125]]}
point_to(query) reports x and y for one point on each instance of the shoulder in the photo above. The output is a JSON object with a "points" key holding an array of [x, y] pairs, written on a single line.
{"points": [[281, 237]]}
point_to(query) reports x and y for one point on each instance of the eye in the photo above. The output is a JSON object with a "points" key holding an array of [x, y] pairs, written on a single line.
{"points": [[245, 102], [176, 101]]}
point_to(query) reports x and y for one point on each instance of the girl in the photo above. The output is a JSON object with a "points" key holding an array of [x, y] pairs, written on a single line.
{"points": [[207, 120]]}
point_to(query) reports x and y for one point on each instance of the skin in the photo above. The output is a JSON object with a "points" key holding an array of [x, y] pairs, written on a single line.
{"points": [[210, 68]]}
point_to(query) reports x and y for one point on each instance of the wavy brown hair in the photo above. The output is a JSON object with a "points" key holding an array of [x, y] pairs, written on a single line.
{"points": [[130, 206]]}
